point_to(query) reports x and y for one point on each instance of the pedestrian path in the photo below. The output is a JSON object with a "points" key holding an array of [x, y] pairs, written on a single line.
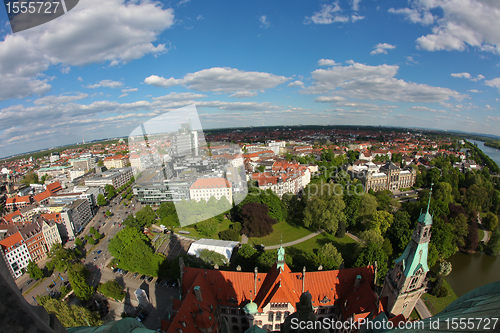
{"points": [[295, 242]]}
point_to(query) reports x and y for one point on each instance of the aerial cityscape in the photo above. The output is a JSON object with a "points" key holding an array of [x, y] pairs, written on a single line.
{"points": [[305, 166]]}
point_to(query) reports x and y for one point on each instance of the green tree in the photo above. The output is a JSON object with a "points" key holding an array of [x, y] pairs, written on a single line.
{"points": [[329, 257], [490, 221], [276, 209], [78, 242], [460, 229], [381, 220], [112, 289], [493, 245], [247, 251], [78, 275], [212, 258], [71, 315], [255, 220], [371, 253], [267, 259], [146, 216], [368, 205], [100, 163], [207, 228], [386, 201], [399, 233], [101, 200], [229, 234], [61, 258], [108, 213], [324, 212], [444, 268], [371, 236], [34, 271]]}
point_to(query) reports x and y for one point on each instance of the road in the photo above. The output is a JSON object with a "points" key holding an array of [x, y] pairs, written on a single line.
{"points": [[422, 309], [107, 226], [295, 242]]}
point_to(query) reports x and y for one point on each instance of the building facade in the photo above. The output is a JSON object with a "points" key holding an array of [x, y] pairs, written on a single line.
{"points": [[205, 188], [16, 254], [405, 282], [115, 177], [116, 162]]}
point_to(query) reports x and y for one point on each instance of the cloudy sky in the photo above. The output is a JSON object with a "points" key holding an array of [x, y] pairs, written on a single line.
{"points": [[107, 66]]}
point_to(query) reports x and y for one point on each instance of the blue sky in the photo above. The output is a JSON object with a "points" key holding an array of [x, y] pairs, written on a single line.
{"points": [[107, 66]]}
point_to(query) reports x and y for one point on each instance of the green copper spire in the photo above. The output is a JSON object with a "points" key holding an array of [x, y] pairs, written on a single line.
{"points": [[281, 258]]}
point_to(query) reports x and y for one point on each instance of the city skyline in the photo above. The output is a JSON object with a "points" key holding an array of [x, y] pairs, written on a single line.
{"points": [[428, 64]]}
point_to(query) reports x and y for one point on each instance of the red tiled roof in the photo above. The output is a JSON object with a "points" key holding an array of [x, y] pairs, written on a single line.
{"points": [[54, 187], [42, 196], [210, 183], [17, 199], [8, 218], [115, 157], [12, 240]]}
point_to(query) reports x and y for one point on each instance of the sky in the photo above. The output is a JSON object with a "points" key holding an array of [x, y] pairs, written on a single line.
{"points": [[105, 67]]}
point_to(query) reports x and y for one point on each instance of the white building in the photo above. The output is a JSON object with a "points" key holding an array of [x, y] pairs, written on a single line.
{"points": [[50, 233], [16, 254], [206, 188], [223, 247]]}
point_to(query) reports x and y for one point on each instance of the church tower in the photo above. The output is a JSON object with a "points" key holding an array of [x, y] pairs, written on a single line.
{"points": [[405, 283]]}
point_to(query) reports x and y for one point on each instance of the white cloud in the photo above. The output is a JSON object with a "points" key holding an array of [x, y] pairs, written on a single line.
{"points": [[464, 75], [493, 83], [327, 62], [474, 91], [264, 23], [355, 18], [78, 39], [224, 80], [61, 99], [123, 95], [107, 84], [382, 48], [80, 79], [424, 109], [355, 4], [329, 99], [410, 61], [414, 15], [173, 96], [129, 90], [326, 15], [463, 23], [199, 17], [158, 81], [375, 83], [243, 94], [296, 84]]}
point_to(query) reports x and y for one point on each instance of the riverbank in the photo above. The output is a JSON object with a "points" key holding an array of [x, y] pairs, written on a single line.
{"points": [[438, 304]]}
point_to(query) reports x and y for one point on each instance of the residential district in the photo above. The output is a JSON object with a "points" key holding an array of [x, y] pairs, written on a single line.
{"points": [[248, 230]]}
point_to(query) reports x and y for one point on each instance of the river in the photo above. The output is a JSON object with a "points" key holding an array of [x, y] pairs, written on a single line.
{"points": [[475, 270]]}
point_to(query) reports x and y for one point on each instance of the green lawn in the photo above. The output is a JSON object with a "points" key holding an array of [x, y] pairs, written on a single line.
{"points": [[345, 245], [436, 305], [193, 233], [289, 233], [480, 232]]}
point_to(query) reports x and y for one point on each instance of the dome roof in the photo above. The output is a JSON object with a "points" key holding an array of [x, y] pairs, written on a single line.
{"points": [[251, 308]]}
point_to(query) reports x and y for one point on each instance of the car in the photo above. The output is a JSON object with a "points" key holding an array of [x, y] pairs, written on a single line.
{"points": [[150, 278], [99, 252], [143, 277], [135, 275], [29, 281], [93, 252], [124, 272], [95, 258], [166, 284], [158, 282]]}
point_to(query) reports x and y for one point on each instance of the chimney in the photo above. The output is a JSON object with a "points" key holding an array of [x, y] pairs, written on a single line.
{"points": [[256, 271], [303, 279], [197, 292], [357, 281]]}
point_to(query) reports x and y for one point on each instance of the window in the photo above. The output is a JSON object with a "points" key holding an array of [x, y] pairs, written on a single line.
{"points": [[278, 316], [270, 316], [234, 320], [276, 327]]}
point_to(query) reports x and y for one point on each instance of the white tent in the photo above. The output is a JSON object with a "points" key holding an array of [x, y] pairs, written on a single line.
{"points": [[220, 246]]}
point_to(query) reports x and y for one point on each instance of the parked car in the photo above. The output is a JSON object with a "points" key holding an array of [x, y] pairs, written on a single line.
{"points": [[135, 275], [95, 258], [143, 277], [158, 282], [150, 278], [99, 252]]}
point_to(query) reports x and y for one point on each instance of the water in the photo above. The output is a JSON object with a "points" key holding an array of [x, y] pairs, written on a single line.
{"points": [[475, 270]]}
